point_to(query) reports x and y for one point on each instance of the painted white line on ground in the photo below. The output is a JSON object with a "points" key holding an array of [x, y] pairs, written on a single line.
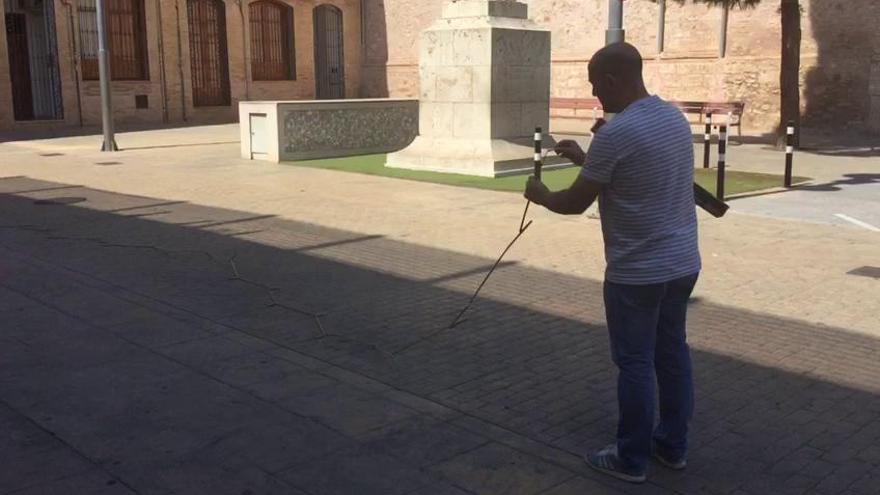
{"points": [[857, 222]]}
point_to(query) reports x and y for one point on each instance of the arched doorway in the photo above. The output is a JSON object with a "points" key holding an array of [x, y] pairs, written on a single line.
{"points": [[329, 53], [33, 60], [208, 53]]}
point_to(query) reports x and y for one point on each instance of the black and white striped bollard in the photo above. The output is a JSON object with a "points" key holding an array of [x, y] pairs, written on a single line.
{"points": [[707, 141], [538, 139], [789, 152], [722, 161]]}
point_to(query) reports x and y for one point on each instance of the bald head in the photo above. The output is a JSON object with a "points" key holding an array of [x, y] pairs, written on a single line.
{"points": [[619, 59], [616, 76]]}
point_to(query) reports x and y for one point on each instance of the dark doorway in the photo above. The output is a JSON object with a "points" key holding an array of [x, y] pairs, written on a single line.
{"points": [[33, 61], [329, 53], [208, 53]]}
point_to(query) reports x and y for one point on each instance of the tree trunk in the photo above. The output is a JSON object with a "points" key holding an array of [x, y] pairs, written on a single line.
{"points": [[789, 78]]}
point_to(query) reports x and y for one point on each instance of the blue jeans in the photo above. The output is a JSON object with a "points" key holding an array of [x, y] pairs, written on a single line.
{"points": [[646, 326]]}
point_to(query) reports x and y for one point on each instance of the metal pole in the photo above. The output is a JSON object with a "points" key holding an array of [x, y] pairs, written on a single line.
{"points": [[615, 32], [707, 141], [722, 47], [539, 138], [104, 75], [539, 162], [722, 162], [661, 29], [789, 152]]}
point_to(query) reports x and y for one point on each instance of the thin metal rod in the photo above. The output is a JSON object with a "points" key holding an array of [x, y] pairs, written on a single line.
{"points": [[539, 158], [539, 163], [789, 152], [104, 75], [722, 163], [523, 221], [474, 297], [707, 141]]}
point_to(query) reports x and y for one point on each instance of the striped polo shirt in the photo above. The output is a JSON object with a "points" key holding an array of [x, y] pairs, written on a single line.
{"points": [[645, 159]]}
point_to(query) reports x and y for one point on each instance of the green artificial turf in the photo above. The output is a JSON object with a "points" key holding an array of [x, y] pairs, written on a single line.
{"points": [[735, 183]]}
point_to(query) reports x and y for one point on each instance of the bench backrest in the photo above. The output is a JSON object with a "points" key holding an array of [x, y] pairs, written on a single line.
{"points": [[688, 106], [734, 107], [702, 107], [575, 103]]}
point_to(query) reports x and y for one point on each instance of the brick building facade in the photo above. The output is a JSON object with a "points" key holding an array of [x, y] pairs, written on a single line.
{"points": [[199, 58], [840, 56]]}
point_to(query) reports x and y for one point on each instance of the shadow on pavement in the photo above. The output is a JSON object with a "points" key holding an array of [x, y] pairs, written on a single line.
{"points": [[784, 406], [95, 131], [835, 185], [848, 180]]}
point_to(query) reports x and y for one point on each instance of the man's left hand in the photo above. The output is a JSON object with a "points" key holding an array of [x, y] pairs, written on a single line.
{"points": [[536, 191]]}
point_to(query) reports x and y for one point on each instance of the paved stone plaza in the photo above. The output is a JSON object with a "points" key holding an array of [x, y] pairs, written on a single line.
{"points": [[184, 322]]}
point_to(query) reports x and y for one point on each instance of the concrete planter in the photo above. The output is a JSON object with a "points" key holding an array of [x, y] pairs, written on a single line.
{"points": [[306, 130]]}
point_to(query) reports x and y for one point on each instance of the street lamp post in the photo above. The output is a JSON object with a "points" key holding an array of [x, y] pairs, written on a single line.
{"points": [[104, 75], [615, 32], [722, 45], [661, 28]]}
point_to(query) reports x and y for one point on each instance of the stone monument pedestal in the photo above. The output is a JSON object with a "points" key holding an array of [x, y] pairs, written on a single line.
{"points": [[484, 71]]}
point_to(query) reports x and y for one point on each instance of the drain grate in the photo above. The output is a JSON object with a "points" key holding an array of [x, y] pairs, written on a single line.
{"points": [[51, 154], [60, 201], [108, 163], [866, 271]]}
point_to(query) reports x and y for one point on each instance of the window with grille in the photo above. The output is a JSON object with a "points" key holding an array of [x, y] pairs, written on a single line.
{"points": [[126, 37], [272, 46], [208, 53]]}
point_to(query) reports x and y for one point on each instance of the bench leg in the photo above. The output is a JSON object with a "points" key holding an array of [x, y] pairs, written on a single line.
{"points": [[738, 133]]}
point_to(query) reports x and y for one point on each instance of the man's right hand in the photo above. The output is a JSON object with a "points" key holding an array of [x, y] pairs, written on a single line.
{"points": [[571, 150]]}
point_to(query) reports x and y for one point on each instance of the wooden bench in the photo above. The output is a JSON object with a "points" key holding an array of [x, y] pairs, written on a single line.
{"points": [[591, 104], [576, 104], [733, 111]]}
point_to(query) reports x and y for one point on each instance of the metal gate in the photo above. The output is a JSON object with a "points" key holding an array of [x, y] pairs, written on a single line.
{"points": [[33, 60], [19, 67], [329, 54], [208, 53], [126, 34]]}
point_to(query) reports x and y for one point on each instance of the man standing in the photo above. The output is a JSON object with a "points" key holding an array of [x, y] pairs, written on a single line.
{"points": [[641, 166]]}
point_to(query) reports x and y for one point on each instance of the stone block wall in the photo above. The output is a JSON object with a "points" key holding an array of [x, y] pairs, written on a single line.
{"points": [[483, 82], [840, 54]]}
